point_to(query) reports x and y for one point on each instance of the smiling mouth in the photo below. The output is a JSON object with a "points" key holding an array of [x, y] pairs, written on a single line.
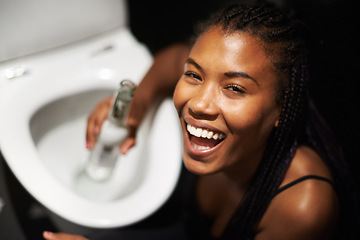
{"points": [[204, 139]]}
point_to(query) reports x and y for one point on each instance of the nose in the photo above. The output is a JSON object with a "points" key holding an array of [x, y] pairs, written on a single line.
{"points": [[204, 104]]}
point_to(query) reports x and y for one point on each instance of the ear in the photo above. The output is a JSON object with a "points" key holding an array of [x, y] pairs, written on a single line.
{"points": [[277, 123]]}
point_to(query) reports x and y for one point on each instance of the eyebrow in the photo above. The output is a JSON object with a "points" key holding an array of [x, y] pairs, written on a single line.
{"points": [[241, 75], [236, 74], [192, 62]]}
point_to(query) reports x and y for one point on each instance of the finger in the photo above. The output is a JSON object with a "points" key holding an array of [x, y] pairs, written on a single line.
{"points": [[62, 236], [95, 121], [90, 138], [129, 142]]}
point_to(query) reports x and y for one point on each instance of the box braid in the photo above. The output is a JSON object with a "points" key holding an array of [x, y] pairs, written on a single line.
{"points": [[283, 39]]}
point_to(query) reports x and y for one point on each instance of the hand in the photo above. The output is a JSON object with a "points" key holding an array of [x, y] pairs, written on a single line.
{"points": [[95, 121], [97, 118], [158, 83], [62, 236]]}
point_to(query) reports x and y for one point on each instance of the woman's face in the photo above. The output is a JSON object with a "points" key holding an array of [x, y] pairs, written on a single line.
{"points": [[226, 101]]}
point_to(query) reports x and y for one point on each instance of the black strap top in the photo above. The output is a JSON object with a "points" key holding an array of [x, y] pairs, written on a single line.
{"points": [[301, 179], [197, 224]]}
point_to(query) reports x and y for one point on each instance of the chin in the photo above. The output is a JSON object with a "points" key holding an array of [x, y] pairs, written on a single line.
{"points": [[198, 167]]}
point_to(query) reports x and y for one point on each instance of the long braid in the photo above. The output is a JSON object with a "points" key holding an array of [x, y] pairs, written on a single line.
{"points": [[285, 49], [280, 151], [274, 29]]}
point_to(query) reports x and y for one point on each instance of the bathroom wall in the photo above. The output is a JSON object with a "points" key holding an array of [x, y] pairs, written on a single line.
{"points": [[29, 26]]}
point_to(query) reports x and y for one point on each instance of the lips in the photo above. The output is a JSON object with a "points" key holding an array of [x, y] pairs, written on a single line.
{"points": [[203, 139]]}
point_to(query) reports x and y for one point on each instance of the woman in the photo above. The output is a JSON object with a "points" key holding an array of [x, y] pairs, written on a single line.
{"points": [[266, 164]]}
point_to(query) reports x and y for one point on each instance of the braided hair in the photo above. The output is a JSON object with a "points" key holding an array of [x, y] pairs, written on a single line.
{"points": [[283, 39]]}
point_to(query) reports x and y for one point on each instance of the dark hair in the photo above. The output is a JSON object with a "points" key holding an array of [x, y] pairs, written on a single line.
{"points": [[284, 40]]}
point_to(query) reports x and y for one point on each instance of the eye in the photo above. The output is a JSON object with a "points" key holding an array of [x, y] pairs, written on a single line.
{"points": [[235, 89], [192, 75]]}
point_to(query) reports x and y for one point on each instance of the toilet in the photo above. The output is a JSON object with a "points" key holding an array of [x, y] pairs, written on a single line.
{"points": [[50, 79]]}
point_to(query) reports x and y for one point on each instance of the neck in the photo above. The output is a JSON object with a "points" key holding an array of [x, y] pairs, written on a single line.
{"points": [[241, 174]]}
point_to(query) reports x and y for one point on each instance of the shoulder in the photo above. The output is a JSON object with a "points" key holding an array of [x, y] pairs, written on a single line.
{"points": [[308, 209]]}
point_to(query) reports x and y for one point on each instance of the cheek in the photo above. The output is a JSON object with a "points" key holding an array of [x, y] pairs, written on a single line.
{"points": [[179, 97], [252, 115], [239, 117]]}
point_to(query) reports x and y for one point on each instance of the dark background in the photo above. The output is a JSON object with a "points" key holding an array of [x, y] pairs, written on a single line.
{"points": [[332, 24]]}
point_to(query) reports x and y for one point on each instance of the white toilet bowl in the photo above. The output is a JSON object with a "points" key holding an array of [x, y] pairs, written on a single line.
{"points": [[42, 132]]}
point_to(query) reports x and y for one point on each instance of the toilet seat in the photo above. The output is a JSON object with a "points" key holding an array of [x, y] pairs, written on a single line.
{"points": [[82, 68]]}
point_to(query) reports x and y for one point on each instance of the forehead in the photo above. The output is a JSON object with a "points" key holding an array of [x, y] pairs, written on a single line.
{"points": [[238, 43], [231, 51]]}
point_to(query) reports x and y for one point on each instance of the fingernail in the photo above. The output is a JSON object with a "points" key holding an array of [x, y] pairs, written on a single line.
{"points": [[48, 234], [88, 145]]}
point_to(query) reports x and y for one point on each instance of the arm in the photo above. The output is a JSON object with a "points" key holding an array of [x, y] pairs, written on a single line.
{"points": [[158, 83]]}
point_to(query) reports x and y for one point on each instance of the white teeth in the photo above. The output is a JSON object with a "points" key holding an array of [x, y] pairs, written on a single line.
{"points": [[210, 134], [198, 132], [198, 147], [204, 133]]}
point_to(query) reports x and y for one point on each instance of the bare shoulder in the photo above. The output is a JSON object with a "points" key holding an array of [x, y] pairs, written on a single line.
{"points": [[306, 210]]}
